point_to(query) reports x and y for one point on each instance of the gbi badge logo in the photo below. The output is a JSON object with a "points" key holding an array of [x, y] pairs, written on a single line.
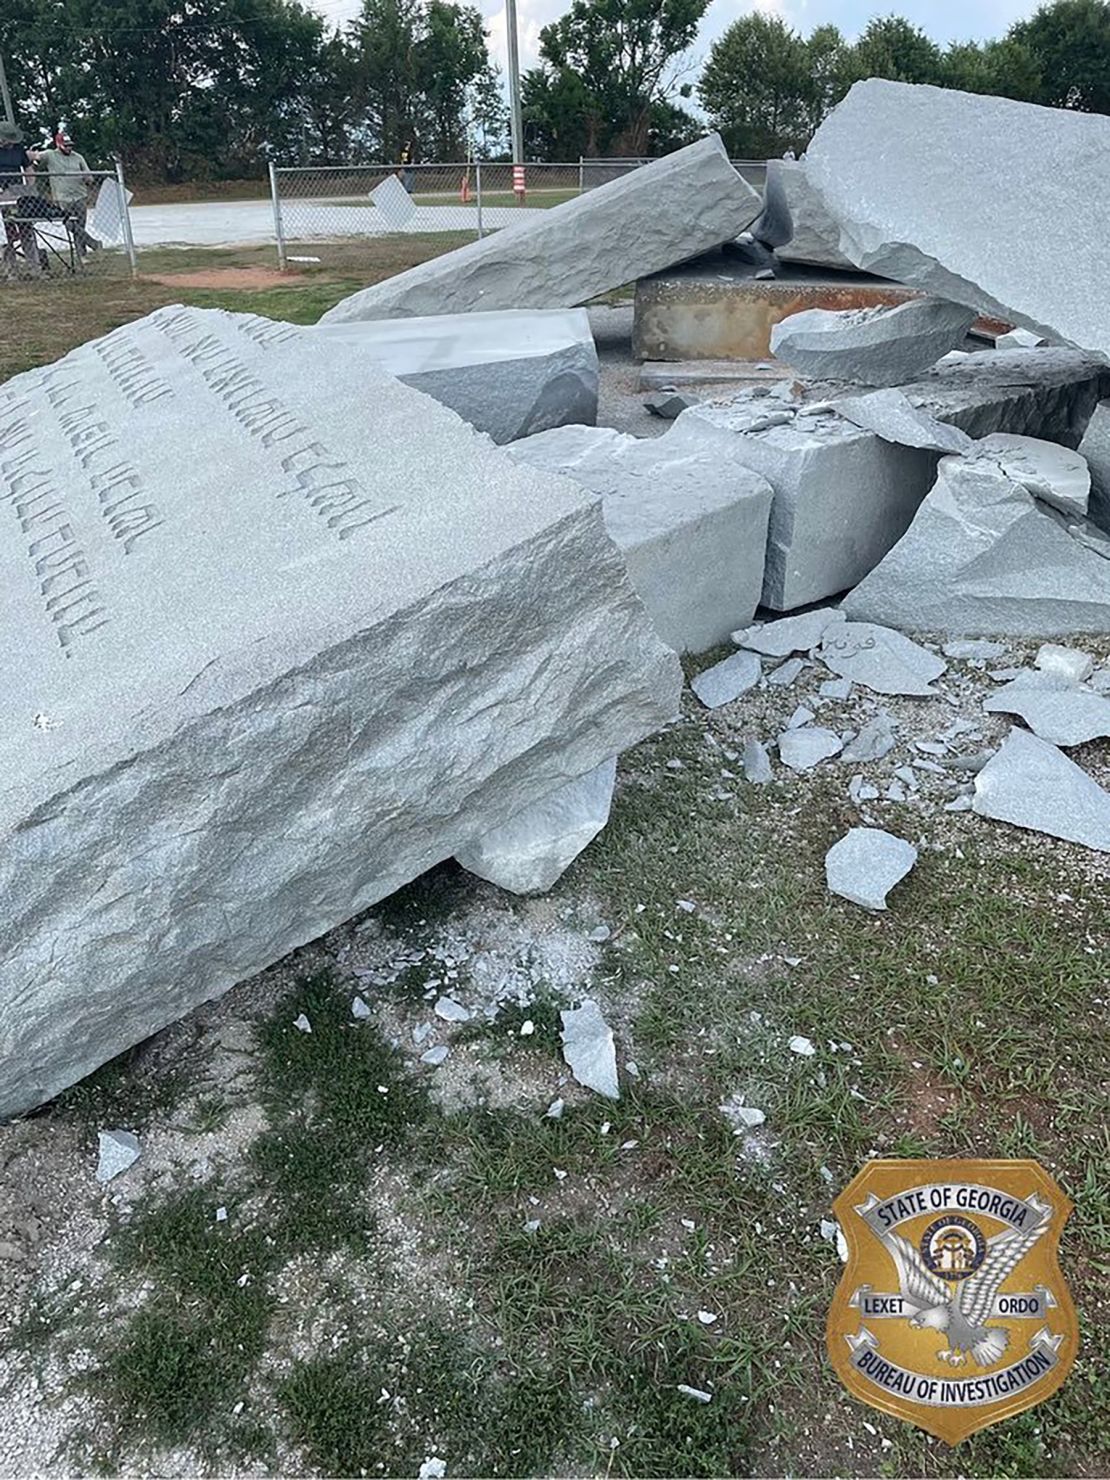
{"points": [[952, 1311]]}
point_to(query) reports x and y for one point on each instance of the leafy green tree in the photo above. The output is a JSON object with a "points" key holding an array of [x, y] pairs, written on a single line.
{"points": [[1005, 68], [756, 85], [891, 47], [1070, 44]]}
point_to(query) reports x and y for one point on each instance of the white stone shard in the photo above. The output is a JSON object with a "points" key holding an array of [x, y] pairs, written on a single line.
{"points": [[871, 346], [975, 648], [835, 688], [529, 853], [436, 1056], [804, 1047], [360, 1010], [257, 611], [741, 1116], [800, 717], [1054, 474], [786, 673], [1032, 785], [1067, 662], [880, 659], [815, 233], [589, 1050], [394, 202], [648, 219], [891, 415], [865, 864], [1057, 712], [510, 374], [803, 749], [983, 557], [727, 680], [975, 198], [688, 516], [875, 740], [118, 1151], [1019, 339], [797, 634], [844, 496], [756, 762], [451, 1011]]}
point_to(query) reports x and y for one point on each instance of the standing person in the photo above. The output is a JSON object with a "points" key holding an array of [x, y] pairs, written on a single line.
{"points": [[408, 175], [16, 179], [70, 179]]}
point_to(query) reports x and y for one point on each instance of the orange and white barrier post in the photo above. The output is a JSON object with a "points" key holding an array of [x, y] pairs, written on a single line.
{"points": [[518, 183]]}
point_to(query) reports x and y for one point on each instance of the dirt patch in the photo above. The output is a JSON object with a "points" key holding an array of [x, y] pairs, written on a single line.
{"points": [[226, 277]]}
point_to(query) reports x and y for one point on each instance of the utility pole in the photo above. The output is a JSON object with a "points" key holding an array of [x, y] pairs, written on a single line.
{"points": [[5, 96], [516, 129]]}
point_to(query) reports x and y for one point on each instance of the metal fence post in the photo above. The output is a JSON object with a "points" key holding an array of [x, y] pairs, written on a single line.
{"points": [[125, 218], [278, 232], [581, 174], [478, 189]]}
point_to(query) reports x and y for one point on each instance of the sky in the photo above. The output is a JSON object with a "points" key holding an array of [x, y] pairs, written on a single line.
{"points": [[944, 20]]}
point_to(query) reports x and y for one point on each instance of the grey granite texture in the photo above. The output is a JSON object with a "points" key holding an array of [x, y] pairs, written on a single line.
{"points": [[983, 557], [688, 516], [871, 346], [802, 748], [865, 864], [530, 852], [509, 374], [796, 634], [884, 661], [1031, 784], [727, 680], [649, 219], [1054, 708], [815, 233], [266, 656], [988, 202], [891, 415]]}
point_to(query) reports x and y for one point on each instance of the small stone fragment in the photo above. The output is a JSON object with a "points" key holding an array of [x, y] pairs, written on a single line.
{"points": [[835, 688], [1019, 339], [435, 1056], [891, 415], [699, 1395], [302, 1024], [1055, 474], [974, 647], [433, 1468], [118, 1151], [740, 1116], [875, 740], [668, 403], [800, 717], [785, 674], [589, 1050], [756, 762], [788, 635], [1058, 712], [804, 748], [1068, 662], [803, 1047], [726, 681], [873, 346], [555, 1110], [1031, 784], [866, 863], [451, 1011], [359, 1009], [880, 659]]}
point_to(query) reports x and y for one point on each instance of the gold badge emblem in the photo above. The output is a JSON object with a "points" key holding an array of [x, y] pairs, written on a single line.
{"points": [[952, 1311]]}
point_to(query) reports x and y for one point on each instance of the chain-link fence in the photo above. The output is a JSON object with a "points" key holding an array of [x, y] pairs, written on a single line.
{"points": [[65, 228], [355, 216]]}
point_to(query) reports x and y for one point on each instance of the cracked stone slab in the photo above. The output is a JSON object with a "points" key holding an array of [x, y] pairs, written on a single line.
{"points": [[531, 852], [1031, 784], [677, 207], [511, 374], [891, 415], [976, 198], [866, 863], [871, 346], [797, 634], [689, 517], [1055, 711], [589, 1050], [248, 609], [727, 680], [1054, 474], [805, 748], [880, 659], [982, 557]]}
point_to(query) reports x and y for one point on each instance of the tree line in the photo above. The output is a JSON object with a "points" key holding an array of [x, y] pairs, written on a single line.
{"points": [[210, 89]]}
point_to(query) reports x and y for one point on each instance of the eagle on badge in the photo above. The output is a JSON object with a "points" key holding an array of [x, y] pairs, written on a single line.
{"points": [[961, 1314]]}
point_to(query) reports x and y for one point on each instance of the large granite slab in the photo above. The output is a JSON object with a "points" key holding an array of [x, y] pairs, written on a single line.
{"points": [[277, 634], [688, 516], [510, 374], [650, 218], [844, 496], [815, 235], [989, 202]]}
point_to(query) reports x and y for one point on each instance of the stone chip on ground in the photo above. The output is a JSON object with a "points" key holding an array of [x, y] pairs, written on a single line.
{"points": [[727, 680], [118, 1151], [1058, 712], [1031, 784], [865, 864], [881, 659], [1070, 663], [589, 1050], [786, 635], [756, 762], [804, 748]]}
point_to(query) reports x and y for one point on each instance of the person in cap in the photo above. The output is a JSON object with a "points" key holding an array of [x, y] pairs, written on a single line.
{"points": [[15, 179], [69, 179]]}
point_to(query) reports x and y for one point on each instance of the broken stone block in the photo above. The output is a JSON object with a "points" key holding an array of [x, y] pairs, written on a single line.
{"points": [[1095, 451], [589, 1050], [871, 346], [976, 198], [891, 415], [789, 634], [650, 218], [688, 516], [866, 863], [875, 740], [530, 852], [1055, 711], [118, 1151], [1069, 663], [727, 680], [1054, 474], [801, 749], [756, 762], [667, 404], [880, 659], [983, 556], [844, 496], [1032, 785], [1019, 339], [814, 233], [509, 374], [246, 608], [773, 227]]}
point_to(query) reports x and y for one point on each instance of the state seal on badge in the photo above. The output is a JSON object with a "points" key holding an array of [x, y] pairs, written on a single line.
{"points": [[952, 1311]]}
